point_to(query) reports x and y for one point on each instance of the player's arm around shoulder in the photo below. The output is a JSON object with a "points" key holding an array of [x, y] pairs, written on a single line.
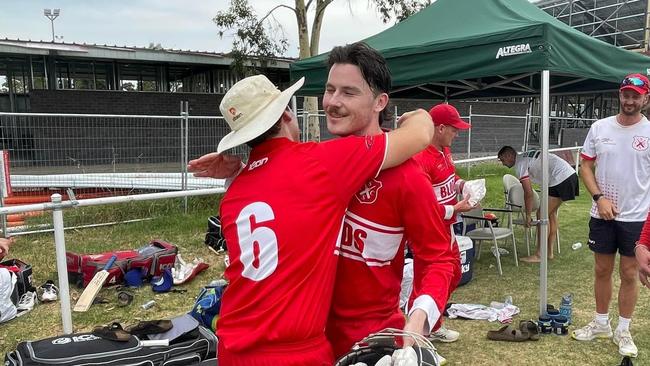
{"points": [[215, 165], [413, 135]]}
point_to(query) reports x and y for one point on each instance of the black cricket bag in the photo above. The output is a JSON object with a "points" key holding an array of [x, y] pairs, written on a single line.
{"points": [[194, 348], [214, 237]]}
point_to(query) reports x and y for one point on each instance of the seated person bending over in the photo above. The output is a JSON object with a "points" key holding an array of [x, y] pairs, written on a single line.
{"points": [[562, 186]]}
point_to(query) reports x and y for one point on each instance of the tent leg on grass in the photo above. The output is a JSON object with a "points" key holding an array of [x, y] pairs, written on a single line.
{"points": [[543, 220]]}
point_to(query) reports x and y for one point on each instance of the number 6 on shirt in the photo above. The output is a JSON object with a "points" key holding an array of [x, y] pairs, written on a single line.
{"points": [[260, 265]]}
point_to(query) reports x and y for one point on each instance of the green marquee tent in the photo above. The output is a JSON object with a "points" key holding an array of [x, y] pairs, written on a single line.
{"points": [[460, 49], [466, 49]]}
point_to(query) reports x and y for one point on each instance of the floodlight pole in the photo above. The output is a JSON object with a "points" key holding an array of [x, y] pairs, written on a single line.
{"points": [[51, 15]]}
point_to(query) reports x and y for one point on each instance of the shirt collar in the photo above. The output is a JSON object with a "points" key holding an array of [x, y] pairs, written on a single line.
{"points": [[268, 146]]}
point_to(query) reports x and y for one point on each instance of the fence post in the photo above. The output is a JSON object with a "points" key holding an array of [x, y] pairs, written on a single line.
{"points": [[185, 111], [394, 117], [3, 222], [526, 129], [305, 125], [577, 159], [5, 187], [61, 263], [469, 141]]}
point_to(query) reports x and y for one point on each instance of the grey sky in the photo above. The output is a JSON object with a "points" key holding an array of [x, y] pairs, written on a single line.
{"points": [[172, 23]]}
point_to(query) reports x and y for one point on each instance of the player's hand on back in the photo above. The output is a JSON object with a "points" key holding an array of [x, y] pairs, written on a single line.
{"points": [[215, 165]]}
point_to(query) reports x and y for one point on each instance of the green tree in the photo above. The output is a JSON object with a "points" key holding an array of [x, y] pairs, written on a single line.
{"points": [[254, 44]]}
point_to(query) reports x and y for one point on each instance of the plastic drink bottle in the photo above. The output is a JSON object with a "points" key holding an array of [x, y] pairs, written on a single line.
{"points": [[565, 306]]}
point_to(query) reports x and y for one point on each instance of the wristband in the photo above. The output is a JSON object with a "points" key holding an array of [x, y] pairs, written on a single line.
{"points": [[597, 196]]}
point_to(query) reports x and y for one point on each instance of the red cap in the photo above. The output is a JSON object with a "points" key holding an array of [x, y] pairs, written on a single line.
{"points": [[637, 82], [446, 114]]}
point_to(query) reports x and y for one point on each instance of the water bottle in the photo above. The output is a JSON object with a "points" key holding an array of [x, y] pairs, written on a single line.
{"points": [[508, 300], [565, 306]]}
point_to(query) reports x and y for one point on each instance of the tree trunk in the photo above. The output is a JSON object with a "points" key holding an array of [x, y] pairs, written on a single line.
{"points": [[317, 25], [310, 105], [303, 30]]}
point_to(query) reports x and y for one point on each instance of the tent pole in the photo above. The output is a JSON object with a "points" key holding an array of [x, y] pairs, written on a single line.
{"points": [[543, 220]]}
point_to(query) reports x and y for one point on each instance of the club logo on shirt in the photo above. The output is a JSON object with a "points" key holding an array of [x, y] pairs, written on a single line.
{"points": [[369, 193], [640, 143]]}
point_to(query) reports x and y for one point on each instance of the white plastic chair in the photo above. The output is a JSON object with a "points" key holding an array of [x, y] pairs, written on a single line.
{"points": [[485, 230], [514, 197], [515, 202]]}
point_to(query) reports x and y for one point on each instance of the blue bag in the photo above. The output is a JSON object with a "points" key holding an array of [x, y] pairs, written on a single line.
{"points": [[208, 303]]}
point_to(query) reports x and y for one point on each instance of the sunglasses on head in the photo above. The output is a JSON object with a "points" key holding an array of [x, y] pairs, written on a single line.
{"points": [[633, 81]]}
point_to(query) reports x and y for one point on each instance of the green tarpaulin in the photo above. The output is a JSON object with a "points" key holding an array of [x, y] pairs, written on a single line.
{"points": [[459, 49]]}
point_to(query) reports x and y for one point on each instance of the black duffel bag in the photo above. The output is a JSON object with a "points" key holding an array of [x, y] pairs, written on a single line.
{"points": [[197, 347]]}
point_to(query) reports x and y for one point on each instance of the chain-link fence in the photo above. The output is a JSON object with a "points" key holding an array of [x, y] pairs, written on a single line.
{"points": [[87, 156], [105, 151]]}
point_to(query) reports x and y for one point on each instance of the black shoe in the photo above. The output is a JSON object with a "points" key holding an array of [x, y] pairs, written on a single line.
{"points": [[627, 361]]}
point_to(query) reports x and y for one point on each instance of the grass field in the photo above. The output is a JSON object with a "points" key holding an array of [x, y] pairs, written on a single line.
{"points": [[571, 271]]}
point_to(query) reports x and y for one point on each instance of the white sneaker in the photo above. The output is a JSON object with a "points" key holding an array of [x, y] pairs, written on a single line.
{"points": [[444, 335], [591, 331], [626, 346], [49, 291], [26, 303]]}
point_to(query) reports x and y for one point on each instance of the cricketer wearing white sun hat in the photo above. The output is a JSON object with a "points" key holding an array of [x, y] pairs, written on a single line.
{"points": [[251, 107]]}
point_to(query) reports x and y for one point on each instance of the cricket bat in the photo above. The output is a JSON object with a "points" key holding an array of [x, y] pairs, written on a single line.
{"points": [[90, 292]]}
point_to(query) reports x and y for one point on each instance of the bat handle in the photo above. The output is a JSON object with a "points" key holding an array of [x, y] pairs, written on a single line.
{"points": [[110, 262]]}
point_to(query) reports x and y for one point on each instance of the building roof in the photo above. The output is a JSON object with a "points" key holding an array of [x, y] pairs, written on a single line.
{"points": [[130, 53]]}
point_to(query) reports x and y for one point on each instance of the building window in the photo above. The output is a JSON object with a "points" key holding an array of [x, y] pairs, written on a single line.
{"points": [[83, 75], [223, 80], [38, 69], [139, 77]]}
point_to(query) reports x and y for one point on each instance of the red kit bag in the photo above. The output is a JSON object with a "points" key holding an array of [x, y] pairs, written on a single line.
{"points": [[152, 258]]}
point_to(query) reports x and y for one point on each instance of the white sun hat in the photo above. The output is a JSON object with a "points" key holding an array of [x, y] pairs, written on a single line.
{"points": [[251, 107]]}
